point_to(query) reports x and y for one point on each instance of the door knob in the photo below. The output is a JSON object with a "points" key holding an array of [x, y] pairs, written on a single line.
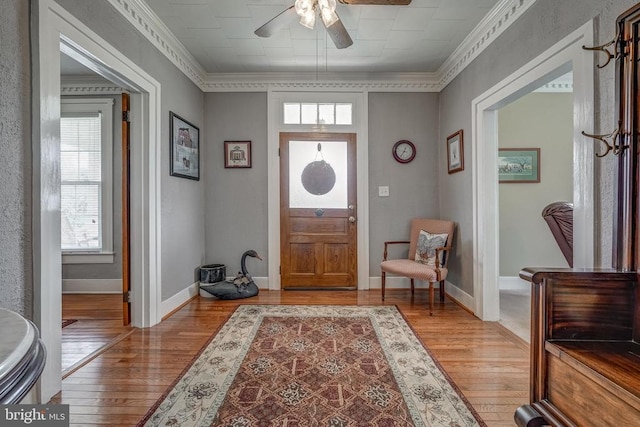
{"points": [[352, 219]]}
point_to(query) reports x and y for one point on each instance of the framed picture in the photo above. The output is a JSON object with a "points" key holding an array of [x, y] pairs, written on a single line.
{"points": [[519, 165], [455, 152], [185, 148], [237, 154]]}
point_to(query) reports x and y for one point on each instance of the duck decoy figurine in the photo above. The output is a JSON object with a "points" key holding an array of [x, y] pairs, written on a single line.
{"points": [[242, 286]]}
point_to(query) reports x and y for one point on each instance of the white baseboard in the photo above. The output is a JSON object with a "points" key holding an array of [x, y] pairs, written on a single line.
{"points": [[460, 296], [453, 291], [261, 282], [92, 286], [171, 303], [513, 283]]}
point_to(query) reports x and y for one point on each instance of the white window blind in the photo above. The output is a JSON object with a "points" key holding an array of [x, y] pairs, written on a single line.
{"points": [[80, 167], [85, 162]]}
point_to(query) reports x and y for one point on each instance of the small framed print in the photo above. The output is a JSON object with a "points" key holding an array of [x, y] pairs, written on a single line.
{"points": [[185, 148], [237, 154], [519, 165], [455, 152]]}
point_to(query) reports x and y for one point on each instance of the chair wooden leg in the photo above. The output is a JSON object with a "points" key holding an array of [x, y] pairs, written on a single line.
{"points": [[442, 291], [432, 294], [413, 289], [383, 283]]}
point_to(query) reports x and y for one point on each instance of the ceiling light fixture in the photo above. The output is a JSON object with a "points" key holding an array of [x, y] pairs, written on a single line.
{"points": [[307, 9]]}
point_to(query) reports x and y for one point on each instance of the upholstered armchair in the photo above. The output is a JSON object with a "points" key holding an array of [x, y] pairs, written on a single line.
{"points": [[559, 218], [429, 246]]}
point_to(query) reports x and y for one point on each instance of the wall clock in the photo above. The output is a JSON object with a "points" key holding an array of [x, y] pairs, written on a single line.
{"points": [[404, 151]]}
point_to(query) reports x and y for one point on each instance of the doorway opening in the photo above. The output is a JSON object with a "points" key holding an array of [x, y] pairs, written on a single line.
{"points": [[55, 30], [567, 55], [94, 213], [277, 124], [534, 138]]}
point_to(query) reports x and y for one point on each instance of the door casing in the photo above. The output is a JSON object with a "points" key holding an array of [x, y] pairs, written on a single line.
{"points": [[316, 93]]}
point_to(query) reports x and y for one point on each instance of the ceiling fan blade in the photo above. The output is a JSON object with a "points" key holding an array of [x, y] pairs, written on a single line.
{"points": [[381, 2], [274, 25], [339, 35]]}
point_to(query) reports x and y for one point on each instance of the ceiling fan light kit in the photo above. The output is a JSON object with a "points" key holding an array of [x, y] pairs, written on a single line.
{"points": [[307, 10]]}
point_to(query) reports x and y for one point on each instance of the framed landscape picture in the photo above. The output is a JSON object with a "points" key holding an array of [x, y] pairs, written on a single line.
{"points": [[185, 148], [519, 165]]}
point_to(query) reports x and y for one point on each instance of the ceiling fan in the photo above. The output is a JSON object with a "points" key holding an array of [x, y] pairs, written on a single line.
{"points": [[326, 9]]}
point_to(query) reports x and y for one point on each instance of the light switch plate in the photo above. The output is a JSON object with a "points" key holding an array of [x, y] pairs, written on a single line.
{"points": [[383, 191]]}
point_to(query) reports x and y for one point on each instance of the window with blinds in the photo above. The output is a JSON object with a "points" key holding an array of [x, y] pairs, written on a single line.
{"points": [[80, 168], [85, 159]]}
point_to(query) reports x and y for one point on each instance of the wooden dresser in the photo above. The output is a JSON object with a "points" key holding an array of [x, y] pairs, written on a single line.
{"points": [[585, 324]]}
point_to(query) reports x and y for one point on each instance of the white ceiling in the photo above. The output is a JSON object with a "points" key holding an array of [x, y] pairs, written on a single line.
{"points": [[414, 38], [219, 34]]}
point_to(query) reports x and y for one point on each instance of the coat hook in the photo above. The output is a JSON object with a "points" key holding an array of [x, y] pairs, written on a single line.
{"points": [[604, 48], [609, 146]]}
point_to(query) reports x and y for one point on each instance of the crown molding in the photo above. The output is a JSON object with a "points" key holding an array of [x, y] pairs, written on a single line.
{"points": [[501, 16], [145, 20], [379, 82], [88, 85]]}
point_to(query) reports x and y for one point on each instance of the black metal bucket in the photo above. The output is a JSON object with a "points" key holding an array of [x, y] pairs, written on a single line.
{"points": [[213, 273]]}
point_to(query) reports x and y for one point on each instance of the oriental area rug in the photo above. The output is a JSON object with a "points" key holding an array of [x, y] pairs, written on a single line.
{"points": [[294, 366]]}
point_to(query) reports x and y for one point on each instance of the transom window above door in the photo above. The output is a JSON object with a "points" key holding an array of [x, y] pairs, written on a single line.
{"points": [[318, 113]]}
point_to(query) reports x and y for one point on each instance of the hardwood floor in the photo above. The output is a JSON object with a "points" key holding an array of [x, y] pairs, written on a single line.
{"points": [[488, 363], [99, 323]]}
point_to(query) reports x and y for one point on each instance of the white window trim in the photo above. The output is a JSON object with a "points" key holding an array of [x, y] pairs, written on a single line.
{"points": [[105, 107]]}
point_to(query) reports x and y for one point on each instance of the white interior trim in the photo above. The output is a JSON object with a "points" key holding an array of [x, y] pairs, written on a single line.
{"points": [[55, 30], [513, 283], [564, 56], [359, 127], [104, 106], [179, 298]]}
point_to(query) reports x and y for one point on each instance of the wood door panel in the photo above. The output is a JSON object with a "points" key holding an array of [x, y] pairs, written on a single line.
{"points": [[318, 226], [336, 258], [318, 245], [302, 258]]}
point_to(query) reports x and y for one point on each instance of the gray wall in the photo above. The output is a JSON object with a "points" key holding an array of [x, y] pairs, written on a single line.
{"points": [[235, 199], [183, 207], [16, 289], [545, 121], [182, 211], [413, 187], [545, 23], [114, 270]]}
